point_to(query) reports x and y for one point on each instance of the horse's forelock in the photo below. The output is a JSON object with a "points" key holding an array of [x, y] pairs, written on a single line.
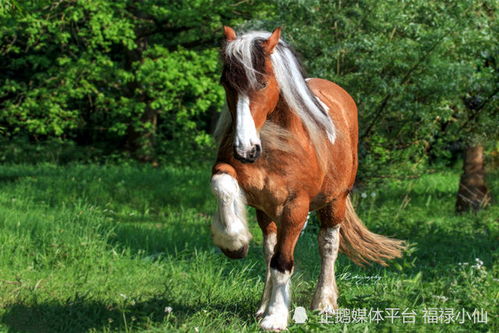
{"points": [[244, 63]]}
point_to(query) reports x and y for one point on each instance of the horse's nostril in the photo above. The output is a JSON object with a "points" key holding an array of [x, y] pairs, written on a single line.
{"points": [[253, 152], [256, 151], [250, 155]]}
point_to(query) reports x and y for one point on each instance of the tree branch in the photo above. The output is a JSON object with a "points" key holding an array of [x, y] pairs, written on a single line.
{"points": [[403, 81]]}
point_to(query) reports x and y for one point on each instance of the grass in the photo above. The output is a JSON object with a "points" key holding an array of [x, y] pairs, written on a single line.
{"points": [[88, 248]]}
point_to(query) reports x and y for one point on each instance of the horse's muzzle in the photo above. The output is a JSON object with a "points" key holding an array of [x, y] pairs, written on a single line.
{"points": [[249, 156], [237, 254]]}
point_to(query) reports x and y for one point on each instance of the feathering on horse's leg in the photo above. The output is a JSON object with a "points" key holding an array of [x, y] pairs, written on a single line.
{"points": [[326, 294], [269, 230], [229, 227], [282, 264]]}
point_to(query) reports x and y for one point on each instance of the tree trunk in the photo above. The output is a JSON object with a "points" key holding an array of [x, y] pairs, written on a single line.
{"points": [[141, 138], [141, 141], [473, 193]]}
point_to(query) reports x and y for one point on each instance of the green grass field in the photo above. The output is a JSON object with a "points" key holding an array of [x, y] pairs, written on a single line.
{"points": [[127, 248]]}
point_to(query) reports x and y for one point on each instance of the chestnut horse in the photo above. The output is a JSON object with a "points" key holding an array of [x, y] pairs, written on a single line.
{"points": [[287, 146]]}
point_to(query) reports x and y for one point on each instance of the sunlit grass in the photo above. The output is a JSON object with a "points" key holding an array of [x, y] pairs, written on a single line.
{"points": [[127, 248]]}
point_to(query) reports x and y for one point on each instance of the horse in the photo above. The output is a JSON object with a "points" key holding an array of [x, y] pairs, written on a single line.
{"points": [[287, 146]]}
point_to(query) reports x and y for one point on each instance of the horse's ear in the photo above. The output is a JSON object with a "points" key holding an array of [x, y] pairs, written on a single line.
{"points": [[271, 43], [230, 34]]}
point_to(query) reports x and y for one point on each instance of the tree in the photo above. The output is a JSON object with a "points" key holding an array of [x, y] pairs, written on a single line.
{"points": [[408, 65], [473, 193], [125, 73]]}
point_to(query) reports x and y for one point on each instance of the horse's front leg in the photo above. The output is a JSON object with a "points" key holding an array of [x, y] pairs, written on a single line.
{"points": [[282, 264], [229, 227], [269, 231]]}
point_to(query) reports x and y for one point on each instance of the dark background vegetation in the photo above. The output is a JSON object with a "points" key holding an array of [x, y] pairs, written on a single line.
{"points": [[100, 80], [138, 76]]}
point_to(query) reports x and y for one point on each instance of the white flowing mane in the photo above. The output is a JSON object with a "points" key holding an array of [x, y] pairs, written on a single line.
{"points": [[292, 84]]}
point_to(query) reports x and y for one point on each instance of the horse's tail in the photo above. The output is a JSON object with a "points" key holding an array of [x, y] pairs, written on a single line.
{"points": [[363, 246]]}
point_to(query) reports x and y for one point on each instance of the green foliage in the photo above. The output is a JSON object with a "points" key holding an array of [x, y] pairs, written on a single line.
{"points": [[114, 72], [142, 76], [127, 248], [410, 66]]}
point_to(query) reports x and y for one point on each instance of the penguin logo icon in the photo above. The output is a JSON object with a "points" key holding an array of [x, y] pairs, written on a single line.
{"points": [[300, 315]]}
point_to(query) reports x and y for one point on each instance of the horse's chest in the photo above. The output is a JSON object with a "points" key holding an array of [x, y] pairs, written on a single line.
{"points": [[264, 190]]}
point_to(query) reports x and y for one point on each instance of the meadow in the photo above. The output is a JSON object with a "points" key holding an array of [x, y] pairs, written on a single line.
{"points": [[107, 248]]}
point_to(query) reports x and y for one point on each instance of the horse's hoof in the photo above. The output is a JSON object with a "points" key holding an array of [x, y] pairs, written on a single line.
{"points": [[274, 323], [237, 254], [260, 313]]}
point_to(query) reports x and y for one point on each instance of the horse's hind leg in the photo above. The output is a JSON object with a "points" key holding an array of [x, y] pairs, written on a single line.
{"points": [[269, 230], [326, 294], [229, 228]]}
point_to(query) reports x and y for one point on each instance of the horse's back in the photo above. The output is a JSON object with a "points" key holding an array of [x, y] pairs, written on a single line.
{"points": [[342, 107], [343, 112]]}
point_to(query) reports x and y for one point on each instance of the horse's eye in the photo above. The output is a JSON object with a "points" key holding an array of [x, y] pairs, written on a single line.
{"points": [[263, 86]]}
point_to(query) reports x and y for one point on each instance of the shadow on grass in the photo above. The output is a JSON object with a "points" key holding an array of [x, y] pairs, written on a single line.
{"points": [[112, 187], [82, 315], [441, 250], [9, 178], [178, 241], [161, 239]]}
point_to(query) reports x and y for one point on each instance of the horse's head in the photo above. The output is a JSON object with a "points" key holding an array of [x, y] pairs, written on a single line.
{"points": [[251, 88]]}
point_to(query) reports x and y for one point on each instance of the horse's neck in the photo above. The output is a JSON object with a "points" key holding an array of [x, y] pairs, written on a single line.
{"points": [[286, 132], [284, 117]]}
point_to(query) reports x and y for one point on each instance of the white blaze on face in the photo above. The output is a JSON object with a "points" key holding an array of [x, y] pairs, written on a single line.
{"points": [[246, 134]]}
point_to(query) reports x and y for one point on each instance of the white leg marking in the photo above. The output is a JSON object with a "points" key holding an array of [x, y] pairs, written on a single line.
{"points": [[246, 134], [229, 227], [269, 244], [276, 317], [326, 295]]}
